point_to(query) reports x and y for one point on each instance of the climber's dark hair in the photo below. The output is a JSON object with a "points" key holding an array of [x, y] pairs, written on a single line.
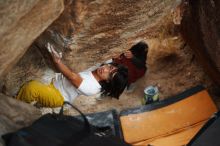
{"points": [[139, 49], [117, 84]]}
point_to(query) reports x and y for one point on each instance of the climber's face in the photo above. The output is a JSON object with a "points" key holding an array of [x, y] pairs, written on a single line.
{"points": [[106, 72]]}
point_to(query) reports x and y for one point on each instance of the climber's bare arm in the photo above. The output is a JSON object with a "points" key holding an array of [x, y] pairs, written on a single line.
{"points": [[73, 77]]}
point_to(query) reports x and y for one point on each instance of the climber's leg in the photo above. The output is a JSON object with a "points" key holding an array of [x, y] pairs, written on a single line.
{"points": [[45, 95]]}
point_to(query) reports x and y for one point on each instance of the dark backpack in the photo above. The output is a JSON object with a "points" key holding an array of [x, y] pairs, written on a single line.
{"points": [[60, 130]]}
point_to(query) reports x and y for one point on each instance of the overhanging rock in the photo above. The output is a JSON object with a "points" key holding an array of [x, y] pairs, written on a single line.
{"points": [[21, 23]]}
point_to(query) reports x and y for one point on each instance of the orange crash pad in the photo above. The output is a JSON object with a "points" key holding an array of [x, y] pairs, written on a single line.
{"points": [[173, 122]]}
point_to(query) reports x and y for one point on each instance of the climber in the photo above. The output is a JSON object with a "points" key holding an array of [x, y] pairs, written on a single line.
{"points": [[108, 79], [135, 60]]}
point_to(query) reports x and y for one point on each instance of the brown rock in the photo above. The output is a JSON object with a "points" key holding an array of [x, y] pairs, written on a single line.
{"points": [[15, 114], [21, 22], [200, 28]]}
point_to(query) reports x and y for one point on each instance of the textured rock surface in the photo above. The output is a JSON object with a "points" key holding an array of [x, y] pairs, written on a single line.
{"points": [[201, 30], [21, 22], [15, 114], [97, 29]]}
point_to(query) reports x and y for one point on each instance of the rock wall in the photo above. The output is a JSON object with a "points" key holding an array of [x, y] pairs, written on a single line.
{"points": [[21, 23], [201, 30], [97, 29]]}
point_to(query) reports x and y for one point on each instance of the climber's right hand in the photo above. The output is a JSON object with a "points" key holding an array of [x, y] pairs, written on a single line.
{"points": [[55, 55]]}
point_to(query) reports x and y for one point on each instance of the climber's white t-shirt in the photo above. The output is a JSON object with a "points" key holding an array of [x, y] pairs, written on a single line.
{"points": [[89, 86]]}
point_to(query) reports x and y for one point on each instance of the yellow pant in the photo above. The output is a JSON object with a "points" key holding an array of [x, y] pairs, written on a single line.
{"points": [[46, 95]]}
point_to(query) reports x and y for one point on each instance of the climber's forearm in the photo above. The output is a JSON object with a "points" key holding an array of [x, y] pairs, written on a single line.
{"points": [[73, 77]]}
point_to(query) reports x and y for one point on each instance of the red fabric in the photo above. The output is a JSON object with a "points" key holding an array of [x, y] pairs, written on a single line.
{"points": [[134, 73]]}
